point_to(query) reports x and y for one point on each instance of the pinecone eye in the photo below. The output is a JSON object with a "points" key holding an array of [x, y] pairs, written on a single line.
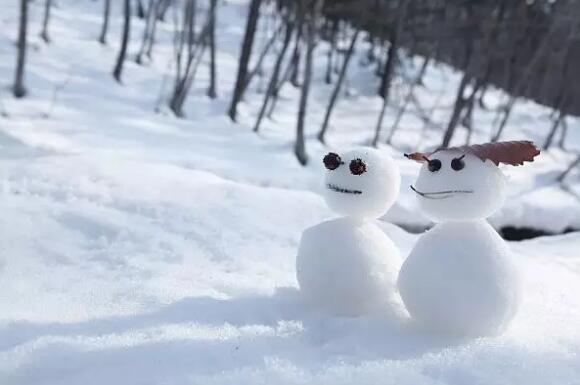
{"points": [[458, 163], [434, 165], [357, 167], [332, 161]]}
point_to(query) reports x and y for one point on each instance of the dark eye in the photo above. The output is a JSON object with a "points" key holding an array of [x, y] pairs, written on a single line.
{"points": [[332, 161], [357, 167], [458, 164], [434, 165]]}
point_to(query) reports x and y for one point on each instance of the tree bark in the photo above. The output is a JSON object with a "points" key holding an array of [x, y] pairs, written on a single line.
{"points": [[338, 86], [141, 13], [19, 89], [295, 62], [554, 129], [251, 24], [457, 109], [106, 17], [275, 74], [118, 70], [331, 49], [572, 165], [46, 19], [390, 65], [299, 146], [212, 92], [147, 31], [151, 40]]}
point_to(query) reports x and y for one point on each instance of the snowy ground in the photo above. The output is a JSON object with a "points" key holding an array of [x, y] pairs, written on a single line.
{"points": [[136, 248]]}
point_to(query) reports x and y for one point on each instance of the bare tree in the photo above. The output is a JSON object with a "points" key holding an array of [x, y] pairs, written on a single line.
{"points": [[389, 70], [295, 62], [141, 12], [189, 49], [19, 89], [248, 42], [299, 146], [45, 21], [118, 70], [410, 96], [338, 86], [575, 163], [211, 92], [149, 21], [106, 17], [331, 49], [273, 83]]}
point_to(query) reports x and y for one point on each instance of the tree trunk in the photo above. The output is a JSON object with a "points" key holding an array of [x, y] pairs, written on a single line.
{"points": [[141, 13], [248, 42], [390, 65], [457, 109], [162, 11], [118, 70], [408, 97], [105, 27], [572, 165], [507, 110], [386, 86], [151, 40], [275, 74], [554, 129], [338, 86], [147, 31], [46, 19], [295, 62], [331, 49], [211, 92], [299, 146], [564, 134], [261, 58], [19, 89]]}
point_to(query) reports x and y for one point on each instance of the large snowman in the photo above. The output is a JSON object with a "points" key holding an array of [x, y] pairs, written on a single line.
{"points": [[461, 278], [348, 266]]}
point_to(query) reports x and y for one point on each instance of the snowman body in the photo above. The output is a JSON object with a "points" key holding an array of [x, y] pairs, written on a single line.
{"points": [[348, 266], [461, 278]]}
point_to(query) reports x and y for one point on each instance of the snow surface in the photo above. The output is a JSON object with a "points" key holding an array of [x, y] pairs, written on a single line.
{"points": [[477, 190], [347, 267], [136, 248], [368, 195], [461, 279]]}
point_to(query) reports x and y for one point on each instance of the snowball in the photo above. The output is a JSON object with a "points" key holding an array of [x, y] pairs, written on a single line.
{"points": [[460, 278], [347, 267], [368, 195], [474, 192]]}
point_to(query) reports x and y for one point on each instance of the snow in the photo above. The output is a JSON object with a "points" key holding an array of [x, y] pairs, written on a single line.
{"points": [[461, 279], [137, 248], [474, 192], [369, 194], [347, 267]]}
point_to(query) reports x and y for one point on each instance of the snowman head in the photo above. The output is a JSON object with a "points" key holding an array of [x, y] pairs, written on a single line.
{"points": [[464, 183], [361, 183]]}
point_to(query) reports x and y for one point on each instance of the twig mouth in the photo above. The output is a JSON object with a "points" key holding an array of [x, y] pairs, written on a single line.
{"points": [[440, 194], [342, 190]]}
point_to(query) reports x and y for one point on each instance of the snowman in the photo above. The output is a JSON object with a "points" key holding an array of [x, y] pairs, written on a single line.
{"points": [[461, 278], [348, 266]]}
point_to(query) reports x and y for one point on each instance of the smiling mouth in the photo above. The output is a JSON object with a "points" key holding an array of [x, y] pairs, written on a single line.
{"points": [[342, 190], [441, 194]]}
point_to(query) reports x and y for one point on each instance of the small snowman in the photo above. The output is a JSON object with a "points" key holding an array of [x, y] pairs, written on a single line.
{"points": [[461, 278], [348, 266]]}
